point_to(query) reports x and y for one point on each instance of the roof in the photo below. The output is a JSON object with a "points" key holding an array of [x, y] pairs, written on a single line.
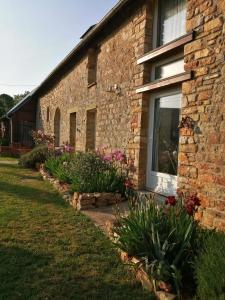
{"points": [[21, 103], [86, 37]]}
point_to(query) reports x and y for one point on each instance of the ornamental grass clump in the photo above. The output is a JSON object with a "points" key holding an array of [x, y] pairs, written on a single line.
{"points": [[164, 237]]}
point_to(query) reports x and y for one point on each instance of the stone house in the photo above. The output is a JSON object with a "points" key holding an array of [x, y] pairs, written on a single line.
{"points": [[147, 68]]}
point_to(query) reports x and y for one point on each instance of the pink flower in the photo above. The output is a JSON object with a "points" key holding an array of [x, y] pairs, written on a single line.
{"points": [[107, 157]]}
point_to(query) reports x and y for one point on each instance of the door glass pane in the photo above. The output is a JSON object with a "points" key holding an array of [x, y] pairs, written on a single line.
{"points": [[169, 69], [166, 134], [172, 20]]}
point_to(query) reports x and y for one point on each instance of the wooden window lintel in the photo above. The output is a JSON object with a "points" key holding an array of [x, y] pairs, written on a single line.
{"points": [[166, 48], [164, 82]]}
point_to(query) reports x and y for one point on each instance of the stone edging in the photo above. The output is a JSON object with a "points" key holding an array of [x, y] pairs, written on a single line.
{"points": [[81, 201], [144, 278], [92, 200]]}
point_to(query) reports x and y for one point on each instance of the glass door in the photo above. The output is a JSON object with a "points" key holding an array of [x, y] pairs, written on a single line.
{"points": [[163, 142]]}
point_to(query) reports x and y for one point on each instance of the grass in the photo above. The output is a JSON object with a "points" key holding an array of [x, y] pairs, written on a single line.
{"points": [[49, 251], [7, 158]]}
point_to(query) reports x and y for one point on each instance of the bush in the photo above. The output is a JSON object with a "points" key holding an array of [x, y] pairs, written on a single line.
{"points": [[87, 172], [91, 173], [210, 270], [165, 238], [37, 155]]}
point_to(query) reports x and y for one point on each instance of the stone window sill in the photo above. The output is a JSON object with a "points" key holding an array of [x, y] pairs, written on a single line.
{"points": [[167, 48]]}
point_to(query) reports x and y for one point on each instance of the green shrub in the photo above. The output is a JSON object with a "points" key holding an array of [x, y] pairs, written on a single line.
{"points": [[87, 172], [90, 173], [57, 166], [37, 155], [164, 238], [107, 181], [210, 270]]}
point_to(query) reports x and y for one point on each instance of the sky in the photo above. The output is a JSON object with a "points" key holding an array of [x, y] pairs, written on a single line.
{"points": [[35, 35]]}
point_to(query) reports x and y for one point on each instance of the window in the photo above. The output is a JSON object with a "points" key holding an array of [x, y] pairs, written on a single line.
{"points": [[91, 129], [73, 129], [48, 114], [168, 67], [171, 20], [92, 65], [166, 134]]}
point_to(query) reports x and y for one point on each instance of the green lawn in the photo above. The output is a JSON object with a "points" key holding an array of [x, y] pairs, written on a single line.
{"points": [[49, 251], [8, 158]]}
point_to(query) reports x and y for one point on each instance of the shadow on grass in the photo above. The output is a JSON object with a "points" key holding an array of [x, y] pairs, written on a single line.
{"points": [[26, 275], [24, 192], [17, 269]]}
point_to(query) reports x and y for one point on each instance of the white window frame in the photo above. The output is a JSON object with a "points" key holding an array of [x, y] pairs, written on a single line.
{"points": [[164, 61], [150, 172]]}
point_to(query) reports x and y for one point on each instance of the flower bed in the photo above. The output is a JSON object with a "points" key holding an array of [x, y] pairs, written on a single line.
{"points": [[169, 251], [81, 201], [165, 239]]}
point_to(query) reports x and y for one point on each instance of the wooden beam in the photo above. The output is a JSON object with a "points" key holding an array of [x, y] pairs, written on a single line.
{"points": [[166, 48], [164, 82]]}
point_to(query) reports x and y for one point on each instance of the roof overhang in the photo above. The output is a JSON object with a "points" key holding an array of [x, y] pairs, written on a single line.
{"points": [[21, 103]]}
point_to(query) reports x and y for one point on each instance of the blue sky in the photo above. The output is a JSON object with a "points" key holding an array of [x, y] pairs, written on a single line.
{"points": [[37, 34]]}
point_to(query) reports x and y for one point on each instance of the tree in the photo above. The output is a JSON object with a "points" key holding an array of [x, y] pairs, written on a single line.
{"points": [[6, 103], [19, 97]]}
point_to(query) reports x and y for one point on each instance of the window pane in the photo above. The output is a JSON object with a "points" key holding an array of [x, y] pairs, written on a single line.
{"points": [[169, 69], [172, 20], [166, 134]]}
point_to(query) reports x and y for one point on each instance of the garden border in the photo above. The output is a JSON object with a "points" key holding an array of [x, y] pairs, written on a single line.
{"points": [[81, 201]]}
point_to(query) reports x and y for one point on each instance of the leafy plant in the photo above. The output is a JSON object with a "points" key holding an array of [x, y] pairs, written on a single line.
{"points": [[163, 237], [88, 172], [58, 166], [37, 155], [91, 173], [210, 270]]}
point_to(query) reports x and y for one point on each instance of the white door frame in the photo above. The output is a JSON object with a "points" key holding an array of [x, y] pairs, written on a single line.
{"points": [[152, 176]]}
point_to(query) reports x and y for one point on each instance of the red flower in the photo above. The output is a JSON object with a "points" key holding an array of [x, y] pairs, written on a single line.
{"points": [[191, 204], [128, 184], [171, 200]]}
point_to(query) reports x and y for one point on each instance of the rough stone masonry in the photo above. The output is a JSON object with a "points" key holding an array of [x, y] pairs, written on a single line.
{"points": [[122, 118]]}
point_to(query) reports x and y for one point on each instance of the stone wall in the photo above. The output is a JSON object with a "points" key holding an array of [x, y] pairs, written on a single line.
{"points": [[118, 112], [122, 115], [202, 150]]}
